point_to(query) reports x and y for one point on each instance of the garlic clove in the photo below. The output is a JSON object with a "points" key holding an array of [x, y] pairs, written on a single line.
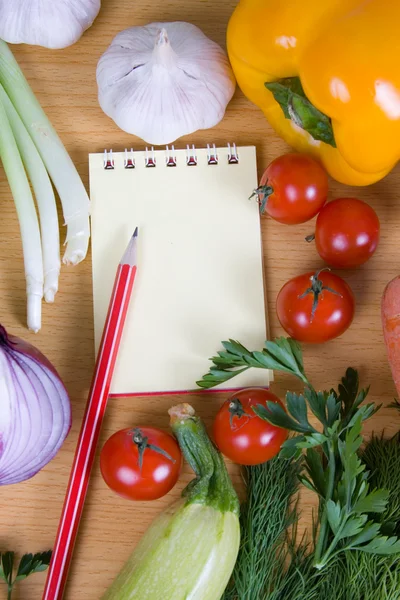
{"points": [[163, 81], [49, 23]]}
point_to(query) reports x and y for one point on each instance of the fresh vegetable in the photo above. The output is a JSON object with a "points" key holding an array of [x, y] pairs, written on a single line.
{"points": [[390, 310], [349, 507], [293, 189], [346, 233], [325, 78], [29, 563], [44, 194], [35, 410], [275, 564], [141, 464], [268, 511], [22, 117], [190, 550], [164, 80], [315, 307], [241, 435], [28, 221], [49, 23]]}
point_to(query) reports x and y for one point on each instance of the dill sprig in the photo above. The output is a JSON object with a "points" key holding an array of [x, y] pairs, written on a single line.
{"points": [[269, 510], [382, 459]]}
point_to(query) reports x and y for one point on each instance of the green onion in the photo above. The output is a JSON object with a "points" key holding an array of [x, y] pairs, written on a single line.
{"points": [[44, 196], [28, 221], [73, 196], [190, 550]]}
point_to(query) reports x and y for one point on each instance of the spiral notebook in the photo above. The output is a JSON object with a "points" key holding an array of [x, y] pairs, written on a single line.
{"points": [[200, 273]]}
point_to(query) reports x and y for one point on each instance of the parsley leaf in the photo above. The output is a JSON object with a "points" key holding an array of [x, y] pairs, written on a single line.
{"points": [[29, 563], [283, 354]]}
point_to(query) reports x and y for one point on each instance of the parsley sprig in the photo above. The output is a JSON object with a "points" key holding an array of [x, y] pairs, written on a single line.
{"points": [[284, 354], [29, 563], [348, 507]]}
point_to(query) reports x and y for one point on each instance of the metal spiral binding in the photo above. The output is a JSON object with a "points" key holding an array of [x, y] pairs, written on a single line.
{"points": [[150, 160], [129, 160], [170, 157], [233, 156], [108, 160], [212, 156], [191, 157]]}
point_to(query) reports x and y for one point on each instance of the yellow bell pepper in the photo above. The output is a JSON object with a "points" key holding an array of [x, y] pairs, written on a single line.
{"points": [[329, 67]]}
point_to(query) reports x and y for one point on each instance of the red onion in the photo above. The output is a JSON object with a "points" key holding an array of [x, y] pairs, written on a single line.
{"points": [[35, 414]]}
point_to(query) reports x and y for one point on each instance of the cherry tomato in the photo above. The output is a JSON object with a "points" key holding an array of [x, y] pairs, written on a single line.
{"points": [[346, 232], [141, 464], [293, 189], [241, 435], [315, 307]]}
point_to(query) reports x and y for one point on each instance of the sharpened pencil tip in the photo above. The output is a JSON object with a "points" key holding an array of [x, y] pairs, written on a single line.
{"points": [[129, 257]]}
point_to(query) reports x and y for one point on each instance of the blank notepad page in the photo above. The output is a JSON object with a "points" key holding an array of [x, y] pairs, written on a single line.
{"points": [[200, 275]]}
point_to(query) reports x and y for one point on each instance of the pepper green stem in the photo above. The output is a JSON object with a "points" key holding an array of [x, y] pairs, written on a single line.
{"points": [[9, 591], [324, 528], [290, 96], [212, 485]]}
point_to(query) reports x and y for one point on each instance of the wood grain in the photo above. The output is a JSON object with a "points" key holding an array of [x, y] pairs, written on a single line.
{"points": [[65, 84]]}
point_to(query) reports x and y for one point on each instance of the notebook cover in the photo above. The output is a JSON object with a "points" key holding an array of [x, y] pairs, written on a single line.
{"points": [[200, 275]]}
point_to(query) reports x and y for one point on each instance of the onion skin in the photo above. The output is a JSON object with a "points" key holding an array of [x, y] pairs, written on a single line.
{"points": [[36, 412]]}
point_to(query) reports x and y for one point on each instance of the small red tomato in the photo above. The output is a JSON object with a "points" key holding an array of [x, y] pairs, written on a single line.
{"points": [[315, 307], [346, 232], [241, 435], [141, 464], [293, 189]]}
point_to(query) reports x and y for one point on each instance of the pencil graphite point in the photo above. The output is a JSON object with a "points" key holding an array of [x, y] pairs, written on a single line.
{"points": [[129, 257]]}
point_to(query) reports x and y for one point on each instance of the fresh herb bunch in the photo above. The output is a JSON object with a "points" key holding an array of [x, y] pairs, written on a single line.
{"points": [[381, 457], [348, 505], [29, 563], [360, 575], [266, 515]]}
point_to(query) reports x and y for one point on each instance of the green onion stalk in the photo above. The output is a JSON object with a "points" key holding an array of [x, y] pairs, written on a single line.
{"points": [[32, 153], [190, 550]]}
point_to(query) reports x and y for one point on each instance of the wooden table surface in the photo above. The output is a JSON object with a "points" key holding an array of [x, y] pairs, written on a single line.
{"points": [[65, 84]]}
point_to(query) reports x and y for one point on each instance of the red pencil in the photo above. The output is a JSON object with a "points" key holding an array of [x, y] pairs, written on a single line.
{"points": [[91, 425]]}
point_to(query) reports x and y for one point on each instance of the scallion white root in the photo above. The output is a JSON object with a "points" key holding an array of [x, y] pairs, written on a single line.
{"points": [[28, 221], [73, 196], [44, 197]]}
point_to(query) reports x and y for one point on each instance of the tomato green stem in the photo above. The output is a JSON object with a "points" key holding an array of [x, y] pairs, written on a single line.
{"points": [[263, 192], [235, 410], [142, 443], [316, 288]]}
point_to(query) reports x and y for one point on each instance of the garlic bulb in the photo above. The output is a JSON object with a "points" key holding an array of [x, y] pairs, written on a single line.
{"points": [[164, 80], [50, 23]]}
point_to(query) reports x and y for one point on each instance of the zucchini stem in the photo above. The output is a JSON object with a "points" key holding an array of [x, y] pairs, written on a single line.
{"points": [[212, 485]]}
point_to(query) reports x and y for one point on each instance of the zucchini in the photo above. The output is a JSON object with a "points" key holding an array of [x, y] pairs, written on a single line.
{"points": [[189, 551]]}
